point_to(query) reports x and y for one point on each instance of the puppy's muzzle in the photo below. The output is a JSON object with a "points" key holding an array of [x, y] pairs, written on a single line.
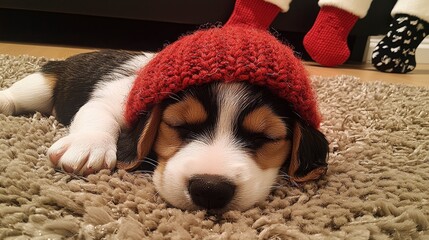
{"points": [[211, 191]]}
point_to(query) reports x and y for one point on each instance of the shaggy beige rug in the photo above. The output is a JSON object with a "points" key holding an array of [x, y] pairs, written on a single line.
{"points": [[377, 186]]}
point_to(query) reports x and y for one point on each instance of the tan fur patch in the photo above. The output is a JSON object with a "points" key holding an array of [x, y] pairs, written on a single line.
{"points": [[264, 120], [166, 145], [167, 142], [273, 154], [187, 111], [51, 80]]}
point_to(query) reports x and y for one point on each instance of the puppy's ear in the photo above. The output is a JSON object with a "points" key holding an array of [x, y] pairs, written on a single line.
{"points": [[309, 154], [135, 145]]}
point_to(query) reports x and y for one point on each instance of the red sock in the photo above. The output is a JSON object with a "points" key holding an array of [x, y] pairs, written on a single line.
{"points": [[255, 13], [326, 42]]}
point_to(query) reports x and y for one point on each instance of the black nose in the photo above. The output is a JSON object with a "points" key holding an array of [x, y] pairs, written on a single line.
{"points": [[210, 191]]}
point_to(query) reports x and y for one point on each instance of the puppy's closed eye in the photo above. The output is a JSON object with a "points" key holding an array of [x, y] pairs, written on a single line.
{"points": [[180, 121], [187, 131], [265, 134], [264, 122], [187, 117], [257, 140], [262, 126]]}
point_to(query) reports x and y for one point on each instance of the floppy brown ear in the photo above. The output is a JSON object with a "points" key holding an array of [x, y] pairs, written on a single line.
{"points": [[136, 144], [309, 154]]}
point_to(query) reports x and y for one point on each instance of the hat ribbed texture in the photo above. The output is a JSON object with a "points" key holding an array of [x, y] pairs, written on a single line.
{"points": [[234, 53]]}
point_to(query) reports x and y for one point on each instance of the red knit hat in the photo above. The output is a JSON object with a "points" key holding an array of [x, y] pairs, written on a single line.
{"points": [[242, 50]]}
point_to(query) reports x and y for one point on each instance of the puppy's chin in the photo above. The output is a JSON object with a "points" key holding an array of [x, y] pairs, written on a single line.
{"points": [[252, 184]]}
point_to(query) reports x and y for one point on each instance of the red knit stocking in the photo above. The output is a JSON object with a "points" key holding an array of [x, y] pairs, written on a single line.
{"points": [[254, 13], [326, 42]]}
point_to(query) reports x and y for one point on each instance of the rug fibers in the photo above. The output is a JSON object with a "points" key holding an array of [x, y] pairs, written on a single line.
{"points": [[377, 185]]}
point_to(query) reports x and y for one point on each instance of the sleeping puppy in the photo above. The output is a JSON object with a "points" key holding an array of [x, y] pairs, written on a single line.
{"points": [[218, 146]]}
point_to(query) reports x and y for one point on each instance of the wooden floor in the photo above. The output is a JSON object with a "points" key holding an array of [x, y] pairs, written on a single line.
{"points": [[418, 77]]}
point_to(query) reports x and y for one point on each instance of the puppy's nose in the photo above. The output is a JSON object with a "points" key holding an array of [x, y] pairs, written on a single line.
{"points": [[210, 191]]}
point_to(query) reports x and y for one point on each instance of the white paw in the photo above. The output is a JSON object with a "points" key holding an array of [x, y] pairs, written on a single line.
{"points": [[6, 103], [84, 153]]}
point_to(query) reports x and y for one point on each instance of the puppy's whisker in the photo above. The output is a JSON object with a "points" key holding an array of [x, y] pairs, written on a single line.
{"points": [[275, 186], [283, 173], [150, 159], [153, 163], [143, 172], [150, 163], [285, 176], [172, 95], [289, 181]]}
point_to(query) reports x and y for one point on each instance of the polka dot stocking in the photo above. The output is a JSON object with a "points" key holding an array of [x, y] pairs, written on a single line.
{"points": [[396, 51]]}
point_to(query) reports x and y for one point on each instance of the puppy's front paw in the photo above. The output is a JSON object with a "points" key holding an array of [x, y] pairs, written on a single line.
{"points": [[84, 153], [6, 103]]}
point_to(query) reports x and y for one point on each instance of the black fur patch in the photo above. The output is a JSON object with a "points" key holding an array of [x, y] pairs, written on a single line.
{"points": [[313, 151], [77, 77]]}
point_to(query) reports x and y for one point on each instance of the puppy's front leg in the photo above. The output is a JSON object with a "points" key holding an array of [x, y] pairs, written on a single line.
{"points": [[91, 144], [94, 131]]}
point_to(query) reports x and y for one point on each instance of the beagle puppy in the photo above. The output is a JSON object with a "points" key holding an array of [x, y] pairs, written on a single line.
{"points": [[218, 146]]}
